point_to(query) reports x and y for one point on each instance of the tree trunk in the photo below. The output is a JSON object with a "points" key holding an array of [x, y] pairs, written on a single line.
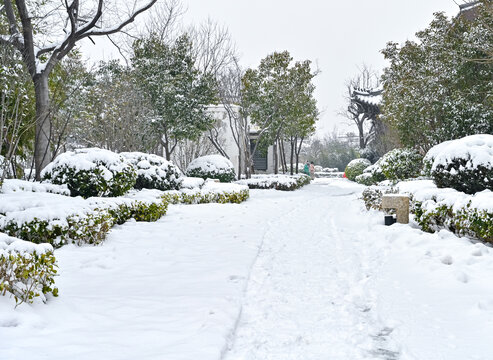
{"points": [[361, 134], [292, 155], [276, 159], [42, 156]]}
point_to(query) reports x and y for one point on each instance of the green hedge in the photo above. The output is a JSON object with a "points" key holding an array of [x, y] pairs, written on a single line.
{"points": [[26, 275], [271, 182], [201, 197]]}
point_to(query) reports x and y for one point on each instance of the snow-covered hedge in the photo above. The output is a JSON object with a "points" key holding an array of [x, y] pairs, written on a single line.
{"points": [[435, 208], [192, 182], [465, 164], [278, 182], [27, 270], [58, 220], [91, 172], [401, 164], [15, 185], [355, 168], [154, 172], [212, 167], [211, 192]]}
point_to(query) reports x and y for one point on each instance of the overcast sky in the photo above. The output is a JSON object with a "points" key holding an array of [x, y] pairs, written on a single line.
{"points": [[338, 36]]}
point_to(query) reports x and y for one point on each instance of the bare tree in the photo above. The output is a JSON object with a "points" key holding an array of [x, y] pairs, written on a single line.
{"points": [[231, 96], [45, 33], [363, 92]]}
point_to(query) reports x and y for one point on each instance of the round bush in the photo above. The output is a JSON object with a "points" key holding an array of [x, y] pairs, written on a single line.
{"points": [[154, 172], [356, 167], [212, 167], [401, 164], [91, 172], [465, 164]]}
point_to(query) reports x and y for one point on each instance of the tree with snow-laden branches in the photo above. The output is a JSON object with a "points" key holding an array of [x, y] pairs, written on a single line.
{"points": [[44, 32], [279, 100], [177, 90], [435, 89]]}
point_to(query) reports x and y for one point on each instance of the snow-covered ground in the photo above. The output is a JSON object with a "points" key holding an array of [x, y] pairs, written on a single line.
{"points": [[298, 275]]}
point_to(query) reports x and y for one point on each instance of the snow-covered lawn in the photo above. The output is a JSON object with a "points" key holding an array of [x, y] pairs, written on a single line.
{"points": [[301, 275]]}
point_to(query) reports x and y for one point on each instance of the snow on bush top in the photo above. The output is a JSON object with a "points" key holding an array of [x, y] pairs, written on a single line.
{"points": [[23, 207], [360, 161], [15, 185], [424, 190], [477, 149], [192, 182], [154, 172], [211, 163], [88, 159], [10, 244]]}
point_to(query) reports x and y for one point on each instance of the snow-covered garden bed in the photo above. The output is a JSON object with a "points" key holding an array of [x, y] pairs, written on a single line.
{"points": [[442, 208], [278, 182]]}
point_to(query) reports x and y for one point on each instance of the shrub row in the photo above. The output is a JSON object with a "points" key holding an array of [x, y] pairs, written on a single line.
{"points": [[27, 271], [196, 196], [279, 182], [431, 215], [88, 228]]}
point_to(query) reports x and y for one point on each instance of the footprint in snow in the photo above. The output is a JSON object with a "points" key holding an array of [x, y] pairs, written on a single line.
{"points": [[447, 260]]}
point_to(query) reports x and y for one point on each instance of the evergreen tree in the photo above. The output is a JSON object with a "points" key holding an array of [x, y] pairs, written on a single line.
{"points": [[178, 92], [433, 90]]}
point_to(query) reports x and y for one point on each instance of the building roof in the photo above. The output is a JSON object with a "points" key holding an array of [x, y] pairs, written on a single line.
{"points": [[469, 11], [371, 97]]}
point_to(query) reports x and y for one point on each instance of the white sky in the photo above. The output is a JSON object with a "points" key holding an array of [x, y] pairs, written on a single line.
{"points": [[339, 36]]}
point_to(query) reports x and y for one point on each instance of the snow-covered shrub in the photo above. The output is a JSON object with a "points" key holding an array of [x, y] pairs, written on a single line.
{"points": [[210, 193], [212, 167], [79, 229], [139, 210], [91, 172], [154, 172], [365, 179], [435, 208], [430, 158], [356, 167], [192, 182], [372, 196], [27, 270], [465, 164], [401, 164], [16, 185], [278, 182]]}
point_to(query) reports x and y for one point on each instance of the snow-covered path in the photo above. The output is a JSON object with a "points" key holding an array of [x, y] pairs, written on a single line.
{"points": [[305, 275], [308, 297]]}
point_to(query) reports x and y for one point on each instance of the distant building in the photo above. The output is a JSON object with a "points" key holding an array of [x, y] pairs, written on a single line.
{"points": [[262, 162], [469, 11]]}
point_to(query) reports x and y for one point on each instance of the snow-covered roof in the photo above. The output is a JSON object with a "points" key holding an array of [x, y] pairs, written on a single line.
{"points": [[368, 96]]}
